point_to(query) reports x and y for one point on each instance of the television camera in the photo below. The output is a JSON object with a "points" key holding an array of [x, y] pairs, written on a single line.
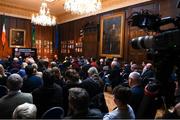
{"points": [[163, 48]]}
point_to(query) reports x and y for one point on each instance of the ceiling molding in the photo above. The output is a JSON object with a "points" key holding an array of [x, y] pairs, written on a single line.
{"points": [[63, 18], [15, 11], [23, 12]]}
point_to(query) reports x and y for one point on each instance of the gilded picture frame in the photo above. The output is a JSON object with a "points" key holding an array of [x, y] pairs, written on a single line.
{"points": [[112, 35], [17, 37]]}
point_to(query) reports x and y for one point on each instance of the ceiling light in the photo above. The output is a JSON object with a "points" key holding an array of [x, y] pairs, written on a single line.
{"points": [[43, 18], [82, 6]]}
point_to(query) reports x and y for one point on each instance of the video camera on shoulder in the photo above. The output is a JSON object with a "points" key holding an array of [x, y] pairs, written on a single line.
{"points": [[165, 40]]}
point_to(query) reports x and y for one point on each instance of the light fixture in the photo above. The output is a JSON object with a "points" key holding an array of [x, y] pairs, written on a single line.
{"points": [[82, 6], [43, 18]]}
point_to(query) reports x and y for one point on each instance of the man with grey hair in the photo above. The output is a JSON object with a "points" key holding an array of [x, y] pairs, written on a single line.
{"points": [[92, 71], [115, 76], [137, 90], [25, 111], [95, 86], [14, 97]]}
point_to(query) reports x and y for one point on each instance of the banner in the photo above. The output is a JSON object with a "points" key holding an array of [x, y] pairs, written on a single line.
{"points": [[33, 36]]}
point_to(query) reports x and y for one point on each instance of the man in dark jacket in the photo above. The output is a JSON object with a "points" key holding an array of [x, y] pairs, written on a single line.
{"points": [[48, 96], [14, 97], [136, 89], [79, 105]]}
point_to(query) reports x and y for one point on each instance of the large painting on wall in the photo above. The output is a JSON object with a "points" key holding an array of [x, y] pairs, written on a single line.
{"points": [[112, 35], [17, 37]]}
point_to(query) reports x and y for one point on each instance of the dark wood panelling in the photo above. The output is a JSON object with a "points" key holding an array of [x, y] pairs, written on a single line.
{"points": [[163, 7], [91, 40], [42, 33], [90, 45], [71, 31], [15, 23]]}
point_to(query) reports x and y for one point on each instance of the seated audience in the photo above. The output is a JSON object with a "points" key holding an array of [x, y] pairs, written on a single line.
{"points": [[147, 73], [97, 101], [3, 76], [36, 72], [22, 71], [150, 101], [78, 103], [58, 77], [137, 90], [104, 74], [25, 111], [15, 65], [123, 110], [93, 62], [134, 67], [49, 95], [31, 81], [3, 90], [53, 64], [71, 80], [115, 76], [93, 73], [14, 97]]}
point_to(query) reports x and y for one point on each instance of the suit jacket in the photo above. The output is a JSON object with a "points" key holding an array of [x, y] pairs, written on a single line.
{"points": [[9, 102], [47, 97], [146, 75], [136, 98]]}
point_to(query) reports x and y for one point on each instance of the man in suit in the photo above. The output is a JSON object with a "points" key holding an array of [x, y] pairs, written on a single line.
{"points": [[136, 89], [14, 97], [147, 73]]}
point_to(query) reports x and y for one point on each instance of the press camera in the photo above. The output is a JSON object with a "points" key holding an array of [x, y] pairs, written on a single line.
{"points": [[166, 39], [163, 48]]}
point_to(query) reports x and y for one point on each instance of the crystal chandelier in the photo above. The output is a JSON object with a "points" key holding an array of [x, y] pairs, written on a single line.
{"points": [[43, 18], [82, 6]]}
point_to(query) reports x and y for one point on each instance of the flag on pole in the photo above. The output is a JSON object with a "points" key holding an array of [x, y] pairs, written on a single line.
{"points": [[3, 37], [33, 36]]}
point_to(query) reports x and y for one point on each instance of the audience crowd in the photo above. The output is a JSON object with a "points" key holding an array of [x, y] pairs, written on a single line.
{"points": [[74, 89]]}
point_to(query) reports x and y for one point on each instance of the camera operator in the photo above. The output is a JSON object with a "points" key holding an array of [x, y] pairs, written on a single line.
{"points": [[163, 49]]}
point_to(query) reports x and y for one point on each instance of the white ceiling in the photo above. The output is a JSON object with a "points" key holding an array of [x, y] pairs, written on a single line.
{"points": [[24, 8], [56, 7]]}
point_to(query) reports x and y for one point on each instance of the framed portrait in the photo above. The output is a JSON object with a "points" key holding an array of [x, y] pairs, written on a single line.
{"points": [[112, 35], [17, 37]]}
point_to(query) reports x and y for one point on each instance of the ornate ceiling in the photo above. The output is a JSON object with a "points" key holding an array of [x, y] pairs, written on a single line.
{"points": [[25, 8]]}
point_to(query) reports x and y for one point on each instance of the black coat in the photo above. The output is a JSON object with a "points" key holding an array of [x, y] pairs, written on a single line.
{"points": [[47, 97]]}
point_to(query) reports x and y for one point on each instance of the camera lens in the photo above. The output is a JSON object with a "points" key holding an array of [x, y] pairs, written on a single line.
{"points": [[144, 42]]}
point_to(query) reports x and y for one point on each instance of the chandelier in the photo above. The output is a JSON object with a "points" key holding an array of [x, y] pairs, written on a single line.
{"points": [[82, 6], [43, 18]]}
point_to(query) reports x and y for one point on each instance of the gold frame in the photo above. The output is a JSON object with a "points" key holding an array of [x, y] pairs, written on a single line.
{"points": [[110, 19], [17, 42]]}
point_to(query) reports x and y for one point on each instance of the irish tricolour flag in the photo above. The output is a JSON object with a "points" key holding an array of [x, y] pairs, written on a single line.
{"points": [[3, 37]]}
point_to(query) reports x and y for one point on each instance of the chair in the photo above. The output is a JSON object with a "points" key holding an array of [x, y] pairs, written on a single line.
{"points": [[53, 113]]}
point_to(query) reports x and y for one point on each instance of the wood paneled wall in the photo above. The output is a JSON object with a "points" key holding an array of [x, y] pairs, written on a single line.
{"points": [[92, 40], [42, 33], [71, 30], [15, 23]]}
